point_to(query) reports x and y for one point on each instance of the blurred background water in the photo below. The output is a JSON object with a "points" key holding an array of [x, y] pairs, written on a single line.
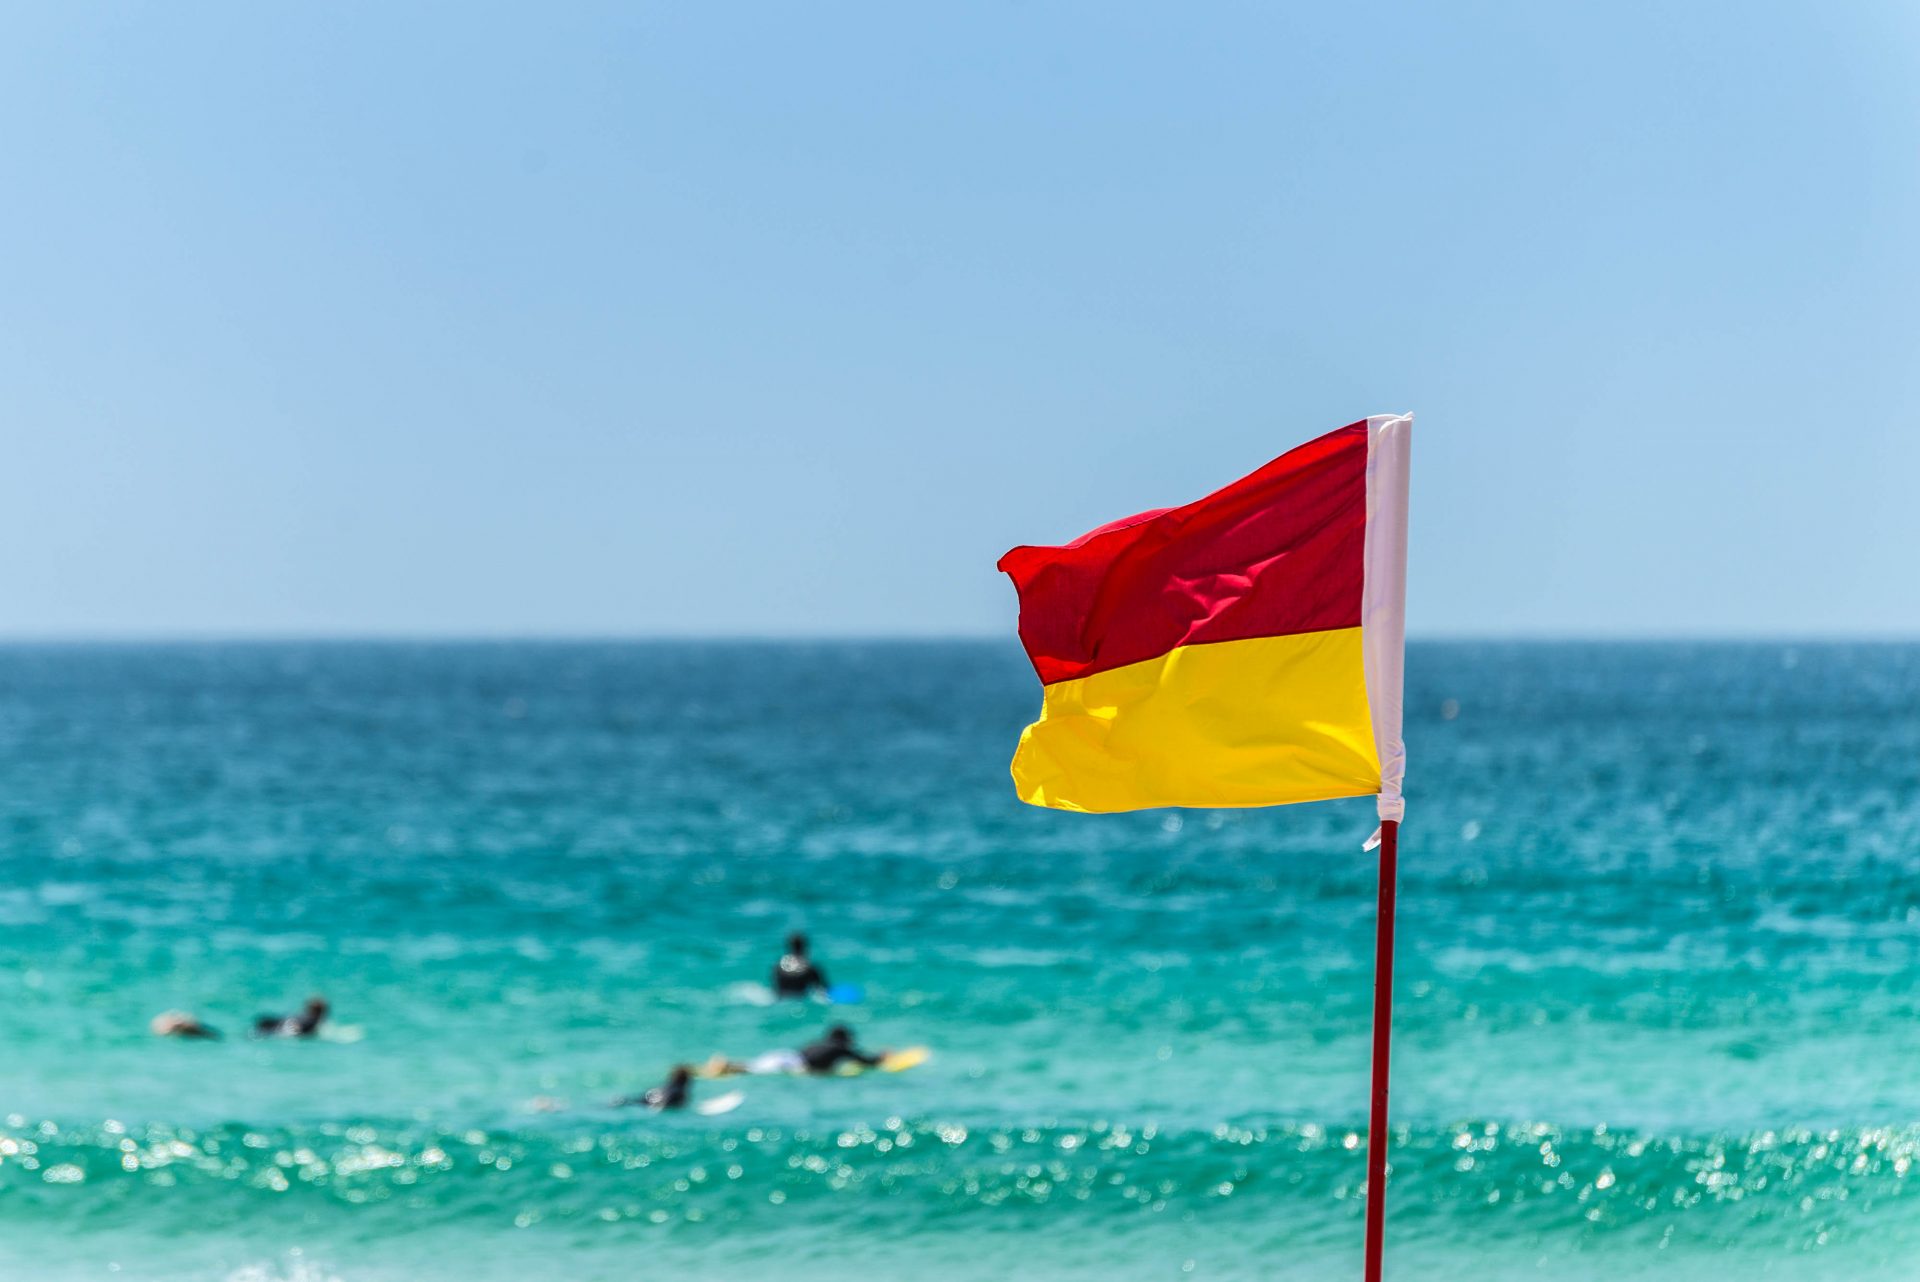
{"points": [[1658, 991]]}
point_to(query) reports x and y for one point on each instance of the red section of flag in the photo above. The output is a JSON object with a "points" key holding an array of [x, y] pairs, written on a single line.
{"points": [[1277, 552]]}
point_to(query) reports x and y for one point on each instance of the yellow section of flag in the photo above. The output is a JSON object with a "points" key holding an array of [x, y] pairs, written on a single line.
{"points": [[1257, 722]]}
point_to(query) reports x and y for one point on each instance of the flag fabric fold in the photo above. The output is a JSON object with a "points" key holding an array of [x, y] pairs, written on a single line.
{"points": [[1242, 650]]}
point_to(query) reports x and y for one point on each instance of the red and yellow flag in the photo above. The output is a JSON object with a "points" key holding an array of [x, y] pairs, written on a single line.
{"points": [[1242, 650]]}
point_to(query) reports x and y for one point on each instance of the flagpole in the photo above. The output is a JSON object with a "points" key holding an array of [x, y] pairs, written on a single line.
{"points": [[1382, 1038]]}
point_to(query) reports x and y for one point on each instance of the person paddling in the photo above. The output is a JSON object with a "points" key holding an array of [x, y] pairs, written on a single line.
{"points": [[673, 1093], [305, 1024], [818, 1057], [835, 1049]]}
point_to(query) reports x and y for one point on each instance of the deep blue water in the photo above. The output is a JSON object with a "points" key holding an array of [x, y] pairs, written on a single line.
{"points": [[1658, 998]]}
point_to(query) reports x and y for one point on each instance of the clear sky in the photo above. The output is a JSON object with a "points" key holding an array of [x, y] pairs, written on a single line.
{"points": [[789, 318]]}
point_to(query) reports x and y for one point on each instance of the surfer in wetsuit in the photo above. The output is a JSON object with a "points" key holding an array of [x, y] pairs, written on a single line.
{"points": [[823, 1056], [795, 975], [305, 1024], [673, 1093], [834, 1049]]}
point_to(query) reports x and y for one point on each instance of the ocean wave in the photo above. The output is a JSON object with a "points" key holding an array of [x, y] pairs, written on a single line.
{"points": [[1787, 1187]]}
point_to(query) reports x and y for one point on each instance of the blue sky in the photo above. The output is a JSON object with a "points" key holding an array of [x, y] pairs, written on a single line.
{"points": [[368, 319]]}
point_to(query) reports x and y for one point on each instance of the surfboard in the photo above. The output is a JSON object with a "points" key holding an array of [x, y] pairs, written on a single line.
{"points": [[893, 1062], [749, 994], [900, 1061], [720, 1104]]}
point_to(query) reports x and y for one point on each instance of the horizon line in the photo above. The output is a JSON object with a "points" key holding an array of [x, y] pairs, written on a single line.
{"points": [[25, 640]]}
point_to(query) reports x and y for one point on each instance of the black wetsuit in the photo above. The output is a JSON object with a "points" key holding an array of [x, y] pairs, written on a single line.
{"points": [[305, 1024], [672, 1095], [796, 976], [826, 1055]]}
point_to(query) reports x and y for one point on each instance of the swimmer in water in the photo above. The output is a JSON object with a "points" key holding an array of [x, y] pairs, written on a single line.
{"points": [[305, 1024], [795, 975], [673, 1093], [178, 1023]]}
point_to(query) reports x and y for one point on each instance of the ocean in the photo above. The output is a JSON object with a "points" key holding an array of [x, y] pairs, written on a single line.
{"points": [[1658, 996]]}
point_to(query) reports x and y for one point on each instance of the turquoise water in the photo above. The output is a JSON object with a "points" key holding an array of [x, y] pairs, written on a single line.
{"points": [[1658, 993]]}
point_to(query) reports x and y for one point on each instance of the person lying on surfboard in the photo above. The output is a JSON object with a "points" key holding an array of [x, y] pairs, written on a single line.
{"points": [[795, 975], [835, 1049], [823, 1056], [673, 1093], [305, 1024]]}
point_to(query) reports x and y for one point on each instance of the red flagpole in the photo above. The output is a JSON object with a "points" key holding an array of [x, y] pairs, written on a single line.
{"points": [[1382, 1039]]}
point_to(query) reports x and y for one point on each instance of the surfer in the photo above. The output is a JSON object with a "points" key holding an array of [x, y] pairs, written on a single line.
{"points": [[822, 1056], [305, 1024], [178, 1023], [795, 975], [835, 1049], [673, 1093]]}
